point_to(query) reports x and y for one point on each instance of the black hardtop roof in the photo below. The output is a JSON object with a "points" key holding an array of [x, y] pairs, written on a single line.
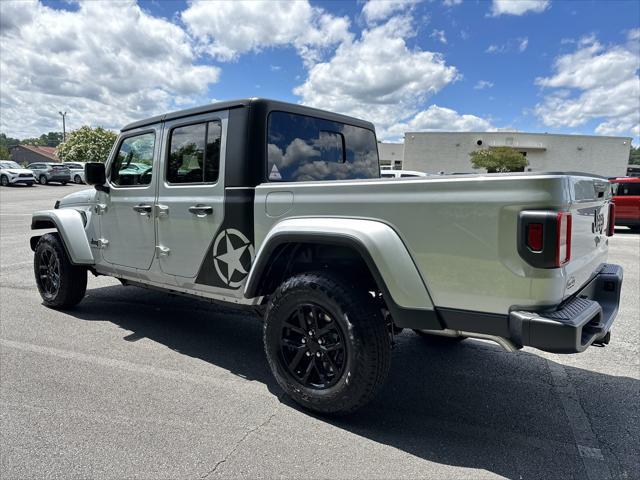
{"points": [[261, 103]]}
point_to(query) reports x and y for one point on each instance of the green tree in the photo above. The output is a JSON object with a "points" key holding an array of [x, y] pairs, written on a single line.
{"points": [[4, 153], [87, 145], [499, 159], [634, 156], [8, 141]]}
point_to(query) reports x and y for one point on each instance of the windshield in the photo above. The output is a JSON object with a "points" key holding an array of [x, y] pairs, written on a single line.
{"points": [[9, 165]]}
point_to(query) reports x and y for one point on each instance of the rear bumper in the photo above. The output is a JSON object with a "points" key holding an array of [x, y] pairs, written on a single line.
{"points": [[60, 178], [582, 320]]}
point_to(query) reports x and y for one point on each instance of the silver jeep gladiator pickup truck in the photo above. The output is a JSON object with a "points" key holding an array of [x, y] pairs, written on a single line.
{"points": [[280, 208]]}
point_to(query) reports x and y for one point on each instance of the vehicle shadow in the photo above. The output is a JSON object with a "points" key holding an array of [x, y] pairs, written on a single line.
{"points": [[469, 405], [624, 231]]}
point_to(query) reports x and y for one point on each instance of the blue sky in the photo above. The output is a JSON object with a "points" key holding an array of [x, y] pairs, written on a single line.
{"points": [[528, 65]]}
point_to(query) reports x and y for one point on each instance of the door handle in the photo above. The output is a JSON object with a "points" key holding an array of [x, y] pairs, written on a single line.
{"points": [[142, 209], [201, 210]]}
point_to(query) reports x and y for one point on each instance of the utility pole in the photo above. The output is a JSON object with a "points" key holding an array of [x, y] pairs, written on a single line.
{"points": [[64, 129]]}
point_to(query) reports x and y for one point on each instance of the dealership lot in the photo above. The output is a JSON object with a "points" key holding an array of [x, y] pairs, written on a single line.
{"points": [[139, 383]]}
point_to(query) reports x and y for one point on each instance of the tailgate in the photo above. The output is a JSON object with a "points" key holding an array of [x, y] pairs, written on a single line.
{"points": [[590, 201]]}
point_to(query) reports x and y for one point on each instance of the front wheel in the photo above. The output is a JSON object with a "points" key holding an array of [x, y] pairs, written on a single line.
{"points": [[61, 284], [326, 342], [43, 179], [77, 179], [4, 181]]}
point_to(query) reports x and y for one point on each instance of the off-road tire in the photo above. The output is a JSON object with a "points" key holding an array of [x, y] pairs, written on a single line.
{"points": [[4, 181], [43, 180], [72, 279], [439, 339], [367, 342]]}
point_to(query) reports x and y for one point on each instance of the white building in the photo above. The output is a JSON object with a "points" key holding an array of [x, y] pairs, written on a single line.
{"points": [[448, 152], [391, 155]]}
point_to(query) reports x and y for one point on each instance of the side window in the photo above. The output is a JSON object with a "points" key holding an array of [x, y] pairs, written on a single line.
{"points": [[307, 148], [134, 161], [629, 189], [194, 153]]}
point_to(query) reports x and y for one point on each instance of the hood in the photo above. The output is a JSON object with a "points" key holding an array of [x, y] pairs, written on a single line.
{"points": [[18, 170], [82, 197]]}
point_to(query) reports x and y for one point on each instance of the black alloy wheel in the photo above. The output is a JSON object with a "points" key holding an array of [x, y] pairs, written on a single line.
{"points": [[48, 267], [312, 347], [60, 283], [326, 342]]}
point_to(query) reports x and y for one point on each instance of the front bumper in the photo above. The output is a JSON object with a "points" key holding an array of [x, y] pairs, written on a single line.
{"points": [[18, 179], [582, 320]]}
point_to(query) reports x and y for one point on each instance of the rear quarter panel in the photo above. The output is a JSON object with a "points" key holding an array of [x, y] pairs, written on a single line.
{"points": [[461, 232]]}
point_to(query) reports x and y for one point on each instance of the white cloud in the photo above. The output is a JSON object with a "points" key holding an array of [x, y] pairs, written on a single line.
{"points": [[519, 44], [436, 118], [106, 64], [227, 29], [376, 10], [377, 76], [451, 3], [523, 43], [518, 7], [482, 84], [439, 36], [594, 83]]}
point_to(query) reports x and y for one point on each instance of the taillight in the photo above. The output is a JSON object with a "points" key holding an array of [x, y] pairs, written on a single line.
{"points": [[535, 236], [612, 220], [563, 243]]}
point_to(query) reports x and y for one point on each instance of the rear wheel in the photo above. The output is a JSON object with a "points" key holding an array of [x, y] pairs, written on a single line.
{"points": [[326, 342], [43, 179], [61, 284], [4, 181]]}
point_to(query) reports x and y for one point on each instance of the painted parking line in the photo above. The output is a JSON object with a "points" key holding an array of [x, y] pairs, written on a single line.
{"points": [[586, 441]]}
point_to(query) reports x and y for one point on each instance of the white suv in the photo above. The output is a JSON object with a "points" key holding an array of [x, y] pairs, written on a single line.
{"points": [[12, 173], [77, 171]]}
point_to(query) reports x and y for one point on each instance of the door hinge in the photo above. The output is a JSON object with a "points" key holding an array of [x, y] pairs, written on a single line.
{"points": [[162, 251], [100, 243], [162, 210], [100, 208]]}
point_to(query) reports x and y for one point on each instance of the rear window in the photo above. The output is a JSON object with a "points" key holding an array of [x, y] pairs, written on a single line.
{"points": [[626, 189], [304, 148]]}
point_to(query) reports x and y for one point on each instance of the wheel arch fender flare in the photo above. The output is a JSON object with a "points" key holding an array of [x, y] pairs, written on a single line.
{"points": [[378, 244], [70, 225]]}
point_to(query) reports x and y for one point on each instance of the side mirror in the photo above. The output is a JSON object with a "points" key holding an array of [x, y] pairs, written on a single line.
{"points": [[95, 174]]}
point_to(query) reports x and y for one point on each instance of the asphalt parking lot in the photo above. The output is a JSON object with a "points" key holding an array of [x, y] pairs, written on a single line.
{"points": [[136, 383]]}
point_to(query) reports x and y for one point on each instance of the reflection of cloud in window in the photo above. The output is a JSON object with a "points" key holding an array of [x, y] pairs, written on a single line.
{"points": [[335, 171], [297, 151]]}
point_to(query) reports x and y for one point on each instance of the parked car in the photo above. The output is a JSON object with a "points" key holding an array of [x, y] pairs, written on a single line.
{"points": [[626, 195], [76, 169], [46, 172], [385, 173], [336, 259], [12, 173]]}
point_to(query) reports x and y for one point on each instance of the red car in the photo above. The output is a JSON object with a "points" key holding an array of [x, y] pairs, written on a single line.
{"points": [[626, 196]]}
